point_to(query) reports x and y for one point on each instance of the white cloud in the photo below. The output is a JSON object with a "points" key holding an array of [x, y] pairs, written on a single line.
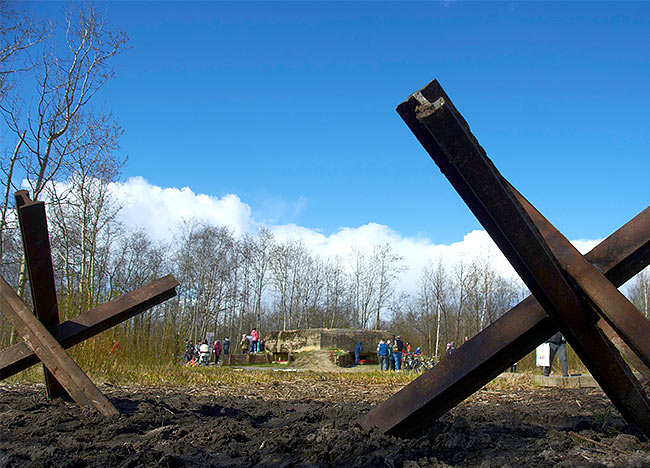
{"points": [[585, 245], [159, 211]]}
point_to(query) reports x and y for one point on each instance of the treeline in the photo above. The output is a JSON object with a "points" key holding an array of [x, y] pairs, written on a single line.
{"points": [[229, 285]]}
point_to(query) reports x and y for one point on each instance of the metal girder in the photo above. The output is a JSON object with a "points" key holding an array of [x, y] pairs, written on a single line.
{"points": [[44, 338], [511, 337], [19, 356], [38, 262], [619, 313], [49, 351], [446, 136]]}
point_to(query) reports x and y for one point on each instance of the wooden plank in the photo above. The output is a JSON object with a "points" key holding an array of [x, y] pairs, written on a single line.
{"points": [[19, 356], [38, 260], [446, 137], [65, 370]]}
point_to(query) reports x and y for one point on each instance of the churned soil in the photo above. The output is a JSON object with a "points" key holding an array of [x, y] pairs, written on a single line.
{"points": [[307, 422]]}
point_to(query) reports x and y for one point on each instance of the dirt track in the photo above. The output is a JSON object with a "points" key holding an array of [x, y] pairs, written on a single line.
{"points": [[312, 423]]}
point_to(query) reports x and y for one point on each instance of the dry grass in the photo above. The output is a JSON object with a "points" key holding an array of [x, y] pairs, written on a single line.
{"points": [[371, 387]]}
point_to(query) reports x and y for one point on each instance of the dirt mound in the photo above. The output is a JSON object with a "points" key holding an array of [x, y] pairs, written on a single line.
{"points": [[317, 361], [312, 423]]}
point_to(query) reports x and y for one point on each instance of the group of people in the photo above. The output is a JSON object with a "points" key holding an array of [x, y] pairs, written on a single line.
{"points": [[199, 353], [251, 343], [390, 352], [203, 354]]}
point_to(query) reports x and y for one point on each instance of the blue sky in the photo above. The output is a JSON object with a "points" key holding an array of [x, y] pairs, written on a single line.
{"points": [[291, 106]]}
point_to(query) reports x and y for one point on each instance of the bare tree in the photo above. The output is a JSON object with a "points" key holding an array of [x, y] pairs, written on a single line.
{"points": [[435, 288], [83, 220], [640, 292], [261, 258], [335, 285], [17, 34], [388, 266], [50, 115], [363, 288]]}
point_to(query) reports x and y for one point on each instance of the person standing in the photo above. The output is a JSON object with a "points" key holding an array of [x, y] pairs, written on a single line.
{"points": [[243, 344], [391, 363], [226, 346], [382, 352], [195, 352], [397, 352], [557, 345], [255, 338], [204, 353], [189, 351], [216, 349], [357, 352]]}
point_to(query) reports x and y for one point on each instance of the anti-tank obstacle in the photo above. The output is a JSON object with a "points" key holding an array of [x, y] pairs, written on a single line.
{"points": [[571, 293], [44, 338]]}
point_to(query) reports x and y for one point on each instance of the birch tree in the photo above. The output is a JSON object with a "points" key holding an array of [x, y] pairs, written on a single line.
{"points": [[50, 115]]}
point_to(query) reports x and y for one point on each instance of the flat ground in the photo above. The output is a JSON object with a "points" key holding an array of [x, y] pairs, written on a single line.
{"points": [[305, 419]]}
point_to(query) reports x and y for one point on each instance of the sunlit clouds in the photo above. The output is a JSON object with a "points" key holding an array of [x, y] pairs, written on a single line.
{"points": [[160, 211]]}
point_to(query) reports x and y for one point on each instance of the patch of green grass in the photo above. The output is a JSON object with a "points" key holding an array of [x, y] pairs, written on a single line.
{"points": [[602, 418], [171, 375]]}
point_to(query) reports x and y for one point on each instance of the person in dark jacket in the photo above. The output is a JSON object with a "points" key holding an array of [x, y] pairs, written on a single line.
{"points": [[226, 346], [382, 353], [397, 352], [189, 351], [357, 352], [557, 345], [216, 349]]}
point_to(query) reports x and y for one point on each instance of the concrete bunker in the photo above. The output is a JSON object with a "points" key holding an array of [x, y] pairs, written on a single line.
{"points": [[283, 344]]}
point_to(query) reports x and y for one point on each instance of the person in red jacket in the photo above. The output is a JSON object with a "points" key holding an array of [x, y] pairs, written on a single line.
{"points": [[216, 349]]}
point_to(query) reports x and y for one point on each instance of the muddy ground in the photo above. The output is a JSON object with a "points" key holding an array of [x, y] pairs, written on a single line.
{"points": [[306, 422]]}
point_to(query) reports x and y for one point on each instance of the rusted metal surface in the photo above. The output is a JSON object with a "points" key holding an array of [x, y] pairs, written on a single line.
{"points": [[44, 338], [515, 334], [48, 350], [19, 357], [38, 261], [445, 135], [619, 313]]}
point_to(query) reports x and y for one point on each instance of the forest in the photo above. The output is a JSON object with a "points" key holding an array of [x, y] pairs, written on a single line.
{"points": [[62, 146]]}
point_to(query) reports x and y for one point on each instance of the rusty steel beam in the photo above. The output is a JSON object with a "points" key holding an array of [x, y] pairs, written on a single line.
{"points": [[38, 262], [619, 313], [49, 351], [19, 356], [445, 135], [511, 337]]}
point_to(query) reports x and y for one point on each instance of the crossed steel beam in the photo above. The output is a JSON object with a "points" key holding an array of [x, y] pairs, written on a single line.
{"points": [[44, 338], [572, 293]]}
